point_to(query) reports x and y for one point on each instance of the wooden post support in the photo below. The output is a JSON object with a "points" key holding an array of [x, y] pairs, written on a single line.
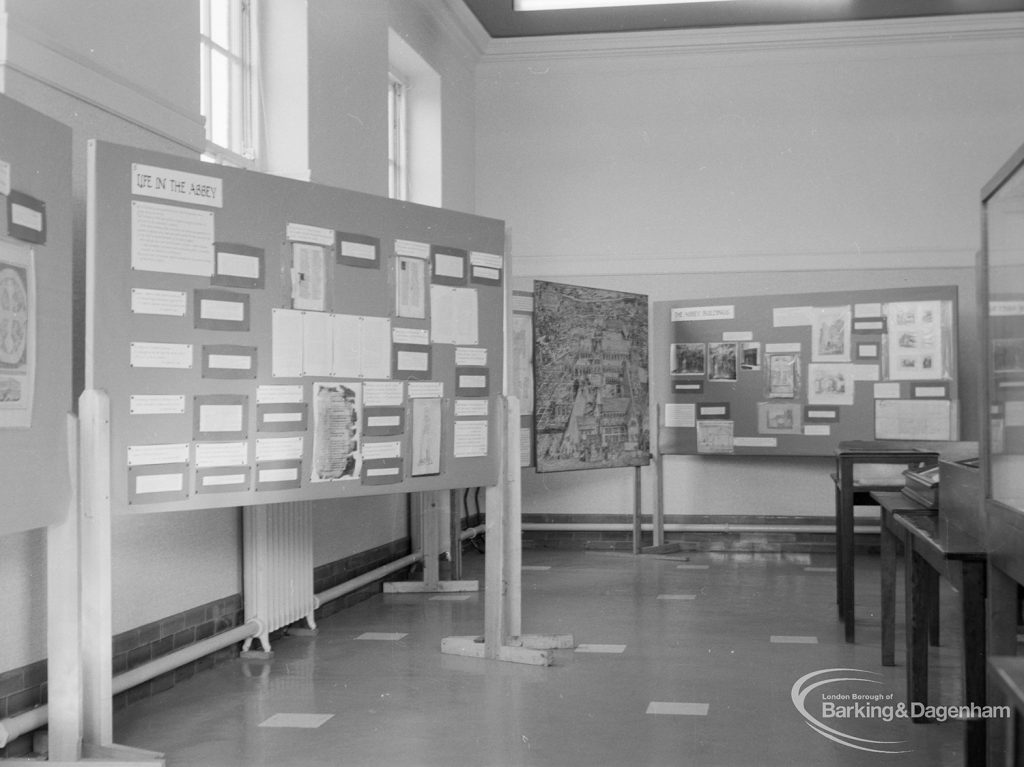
{"points": [[425, 507], [96, 625], [503, 639], [658, 545], [63, 635], [79, 607], [637, 526]]}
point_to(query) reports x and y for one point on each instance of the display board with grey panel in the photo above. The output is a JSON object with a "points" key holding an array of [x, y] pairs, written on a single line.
{"points": [[35, 318], [264, 340], [798, 374]]}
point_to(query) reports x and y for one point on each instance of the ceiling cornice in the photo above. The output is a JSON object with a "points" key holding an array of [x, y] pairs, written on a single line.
{"points": [[967, 27], [461, 21]]}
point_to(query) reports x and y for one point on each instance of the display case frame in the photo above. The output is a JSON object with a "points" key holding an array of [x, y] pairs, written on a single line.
{"points": [[1001, 300]]}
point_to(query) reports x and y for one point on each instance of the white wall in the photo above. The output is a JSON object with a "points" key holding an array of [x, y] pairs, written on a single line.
{"points": [[726, 163]]}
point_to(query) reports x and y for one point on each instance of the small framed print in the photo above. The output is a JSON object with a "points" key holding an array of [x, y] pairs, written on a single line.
{"points": [[688, 359], [779, 418]]}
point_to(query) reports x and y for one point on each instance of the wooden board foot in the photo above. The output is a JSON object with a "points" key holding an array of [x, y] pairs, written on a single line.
{"points": [[475, 647], [544, 641], [102, 756], [420, 587], [665, 548], [468, 647], [525, 655]]}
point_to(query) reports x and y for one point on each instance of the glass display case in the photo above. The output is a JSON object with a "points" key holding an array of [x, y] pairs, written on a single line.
{"points": [[1001, 290]]}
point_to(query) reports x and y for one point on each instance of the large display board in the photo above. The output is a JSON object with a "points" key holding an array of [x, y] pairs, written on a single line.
{"points": [[590, 375], [264, 340], [797, 374], [35, 318]]}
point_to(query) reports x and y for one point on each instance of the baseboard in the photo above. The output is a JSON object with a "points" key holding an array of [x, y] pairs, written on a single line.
{"points": [[692, 532]]}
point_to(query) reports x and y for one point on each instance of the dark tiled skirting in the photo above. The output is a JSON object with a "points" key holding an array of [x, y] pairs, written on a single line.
{"points": [[765, 540]]}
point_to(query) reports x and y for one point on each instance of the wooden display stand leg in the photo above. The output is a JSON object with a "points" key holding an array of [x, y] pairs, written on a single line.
{"points": [[79, 625], [503, 638], [658, 545], [425, 507], [95, 584]]}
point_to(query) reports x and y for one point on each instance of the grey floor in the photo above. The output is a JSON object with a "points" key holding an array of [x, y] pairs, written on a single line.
{"points": [[681, 660]]}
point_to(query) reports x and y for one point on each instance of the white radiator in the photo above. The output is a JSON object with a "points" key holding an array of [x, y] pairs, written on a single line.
{"points": [[277, 562]]}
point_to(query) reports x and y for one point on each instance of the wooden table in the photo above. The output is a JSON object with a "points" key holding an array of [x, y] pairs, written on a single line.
{"points": [[849, 491], [936, 546], [894, 536]]}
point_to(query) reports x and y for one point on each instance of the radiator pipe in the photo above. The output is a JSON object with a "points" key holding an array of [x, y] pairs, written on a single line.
{"points": [[18, 725], [366, 578], [35, 718], [472, 532]]}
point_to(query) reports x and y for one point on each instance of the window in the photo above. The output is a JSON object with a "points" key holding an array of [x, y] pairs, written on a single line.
{"points": [[227, 66], [414, 132], [398, 167]]}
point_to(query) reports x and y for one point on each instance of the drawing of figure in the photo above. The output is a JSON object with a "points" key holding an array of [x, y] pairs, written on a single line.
{"points": [[832, 337]]}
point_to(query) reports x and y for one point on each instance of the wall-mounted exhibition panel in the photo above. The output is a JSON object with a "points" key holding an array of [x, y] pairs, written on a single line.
{"points": [[35, 317], [798, 374], [264, 340]]}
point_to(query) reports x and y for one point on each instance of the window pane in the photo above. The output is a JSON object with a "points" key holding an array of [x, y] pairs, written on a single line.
{"points": [[237, 142], [219, 119], [220, 22]]}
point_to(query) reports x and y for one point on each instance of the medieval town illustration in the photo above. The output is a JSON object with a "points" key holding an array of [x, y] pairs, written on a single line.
{"points": [[591, 373]]}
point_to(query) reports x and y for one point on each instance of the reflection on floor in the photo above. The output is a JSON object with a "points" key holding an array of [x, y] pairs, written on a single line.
{"points": [[707, 660]]}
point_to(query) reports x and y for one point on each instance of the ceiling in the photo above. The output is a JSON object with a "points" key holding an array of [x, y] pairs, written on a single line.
{"points": [[498, 18]]}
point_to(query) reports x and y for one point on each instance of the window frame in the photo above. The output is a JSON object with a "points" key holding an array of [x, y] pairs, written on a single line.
{"points": [[398, 136], [237, 144]]}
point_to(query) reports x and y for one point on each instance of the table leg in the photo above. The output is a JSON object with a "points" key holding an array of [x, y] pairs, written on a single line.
{"points": [[933, 607], [1001, 637], [917, 628], [839, 554], [846, 565], [972, 596], [888, 608]]}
